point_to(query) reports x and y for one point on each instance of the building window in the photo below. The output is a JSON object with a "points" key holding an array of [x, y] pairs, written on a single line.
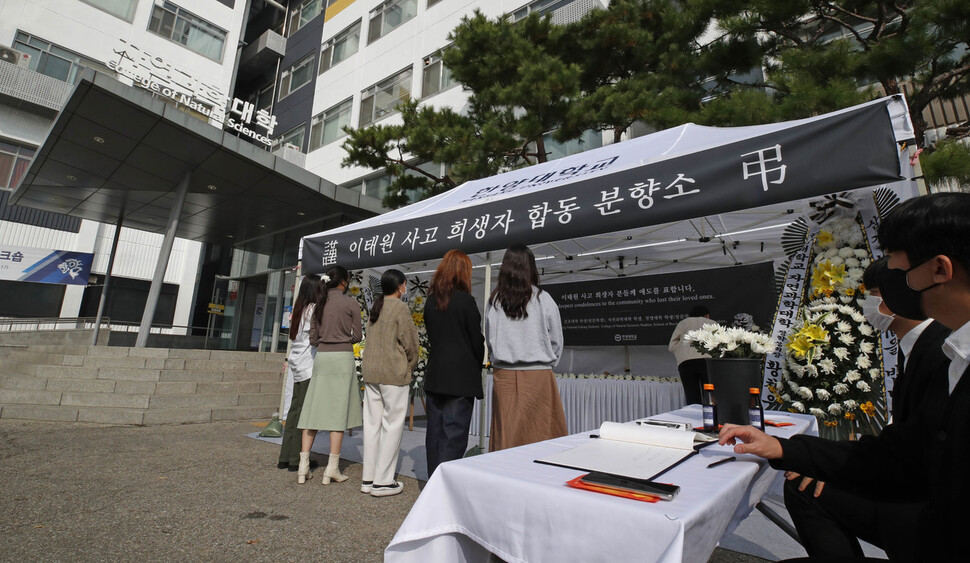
{"points": [[328, 126], [185, 28], [14, 161], [293, 137], [47, 58], [388, 16], [263, 98], [124, 9], [383, 98], [297, 76], [302, 15], [437, 77], [539, 6], [343, 45]]}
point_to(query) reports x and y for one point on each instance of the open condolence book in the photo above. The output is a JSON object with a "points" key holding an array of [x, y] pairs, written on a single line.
{"points": [[642, 452]]}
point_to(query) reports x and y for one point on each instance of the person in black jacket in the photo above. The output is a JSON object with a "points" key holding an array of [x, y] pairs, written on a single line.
{"points": [[456, 345], [921, 462], [829, 518]]}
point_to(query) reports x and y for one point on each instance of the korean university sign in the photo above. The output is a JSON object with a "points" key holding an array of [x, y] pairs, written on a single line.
{"points": [[155, 74]]}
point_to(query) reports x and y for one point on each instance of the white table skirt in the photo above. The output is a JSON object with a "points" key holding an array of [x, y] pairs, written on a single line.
{"points": [[504, 503], [588, 402]]}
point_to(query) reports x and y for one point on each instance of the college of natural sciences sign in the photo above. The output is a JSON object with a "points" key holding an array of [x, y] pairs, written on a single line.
{"points": [[153, 73]]}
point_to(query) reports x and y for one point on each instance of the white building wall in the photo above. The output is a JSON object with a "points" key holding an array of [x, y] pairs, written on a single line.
{"points": [[407, 45], [95, 34]]}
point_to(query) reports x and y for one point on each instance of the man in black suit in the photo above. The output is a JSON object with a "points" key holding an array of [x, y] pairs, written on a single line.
{"points": [[829, 518], [921, 462]]}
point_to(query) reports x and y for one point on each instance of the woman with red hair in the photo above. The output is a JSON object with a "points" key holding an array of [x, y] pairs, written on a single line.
{"points": [[456, 350]]}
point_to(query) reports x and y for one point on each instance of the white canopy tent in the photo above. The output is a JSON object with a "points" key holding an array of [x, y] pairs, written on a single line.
{"points": [[686, 198], [690, 197]]}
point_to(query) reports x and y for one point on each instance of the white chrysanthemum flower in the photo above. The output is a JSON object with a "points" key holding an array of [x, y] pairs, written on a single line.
{"points": [[863, 361], [797, 369], [840, 388], [850, 404], [805, 393], [827, 366], [852, 262], [875, 374], [847, 339], [822, 394], [863, 386], [799, 406], [852, 376], [835, 409], [786, 397], [866, 347], [841, 353], [857, 317], [831, 319], [830, 253], [793, 385], [816, 411], [845, 299], [865, 329], [846, 310], [860, 253], [843, 326], [811, 370]]}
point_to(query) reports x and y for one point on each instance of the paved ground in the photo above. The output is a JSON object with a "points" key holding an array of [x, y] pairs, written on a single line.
{"points": [[196, 492]]}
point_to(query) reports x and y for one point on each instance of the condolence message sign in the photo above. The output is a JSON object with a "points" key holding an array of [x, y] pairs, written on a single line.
{"points": [[644, 310], [21, 263]]}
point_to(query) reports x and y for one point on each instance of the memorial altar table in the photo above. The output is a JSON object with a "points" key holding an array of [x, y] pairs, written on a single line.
{"points": [[505, 503], [589, 400]]}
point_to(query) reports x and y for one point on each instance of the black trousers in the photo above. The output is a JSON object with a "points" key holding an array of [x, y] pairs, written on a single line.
{"points": [[293, 436], [693, 374], [449, 418], [830, 524]]}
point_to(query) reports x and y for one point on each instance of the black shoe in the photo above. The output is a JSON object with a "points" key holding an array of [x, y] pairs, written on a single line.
{"points": [[283, 465]]}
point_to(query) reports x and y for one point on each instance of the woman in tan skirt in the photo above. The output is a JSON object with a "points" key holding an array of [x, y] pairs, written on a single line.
{"points": [[332, 400], [525, 342]]}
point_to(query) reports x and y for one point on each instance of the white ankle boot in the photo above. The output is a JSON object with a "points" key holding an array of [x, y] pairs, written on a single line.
{"points": [[303, 472], [332, 472]]}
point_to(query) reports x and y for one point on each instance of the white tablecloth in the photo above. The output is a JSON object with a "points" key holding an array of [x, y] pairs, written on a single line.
{"points": [[506, 504], [588, 402]]}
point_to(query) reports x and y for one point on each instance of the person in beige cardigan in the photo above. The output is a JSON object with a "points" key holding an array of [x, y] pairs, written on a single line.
{"points": [[389, 357], [690, 362]]}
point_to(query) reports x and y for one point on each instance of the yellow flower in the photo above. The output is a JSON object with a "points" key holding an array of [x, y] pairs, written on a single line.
{"points": [[868, 408], [831, 423], [824, 238], [418, 318], [814, 332], [800, 345], [849, 416], [355, 291], [849, 291], [358, 348]]}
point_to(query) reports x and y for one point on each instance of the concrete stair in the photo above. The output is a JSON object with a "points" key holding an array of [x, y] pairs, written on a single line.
{"points": [[142, 386]]}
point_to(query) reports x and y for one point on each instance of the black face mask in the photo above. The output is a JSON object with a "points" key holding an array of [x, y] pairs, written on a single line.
{"points": [[902, 299]]}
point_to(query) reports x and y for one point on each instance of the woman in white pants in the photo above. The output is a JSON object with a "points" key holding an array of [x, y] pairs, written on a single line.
{"points": [[389, 357]]}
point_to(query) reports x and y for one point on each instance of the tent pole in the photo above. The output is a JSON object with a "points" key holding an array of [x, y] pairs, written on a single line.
{"points": [[485, 399], [921, 187], [289, 343]]}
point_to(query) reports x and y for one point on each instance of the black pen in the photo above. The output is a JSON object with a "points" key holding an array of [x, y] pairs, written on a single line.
{"points": [[721, 461]]}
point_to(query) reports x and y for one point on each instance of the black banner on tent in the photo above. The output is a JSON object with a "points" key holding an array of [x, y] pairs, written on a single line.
{"points": [[841, 152], [643, 310]]}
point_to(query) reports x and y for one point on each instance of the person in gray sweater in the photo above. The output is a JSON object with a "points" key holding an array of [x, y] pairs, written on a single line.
{"points": [[525, 341]]}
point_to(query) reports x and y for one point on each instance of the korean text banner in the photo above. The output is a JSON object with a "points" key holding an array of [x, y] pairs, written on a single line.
{"points": [[41, 265], [741, 168], [643, 310]]}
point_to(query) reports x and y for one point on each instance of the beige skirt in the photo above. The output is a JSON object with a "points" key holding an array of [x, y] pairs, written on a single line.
{"points": [[526, 408]]}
